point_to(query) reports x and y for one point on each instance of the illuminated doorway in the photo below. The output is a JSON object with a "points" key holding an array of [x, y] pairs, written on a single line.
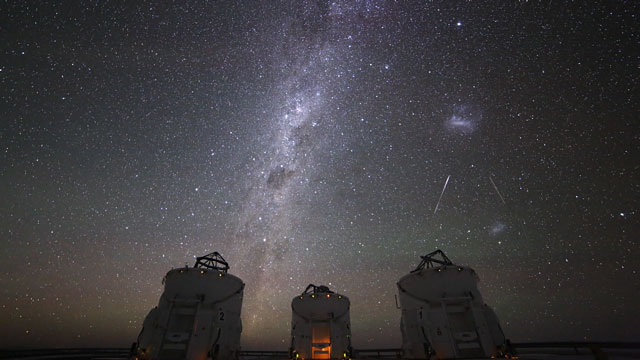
{"points": [[321, 343]]}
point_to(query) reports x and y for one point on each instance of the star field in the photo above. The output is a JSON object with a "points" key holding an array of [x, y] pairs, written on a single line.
{"points": [[309, 142]]}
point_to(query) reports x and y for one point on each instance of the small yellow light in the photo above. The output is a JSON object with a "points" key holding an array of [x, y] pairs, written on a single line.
{"points": [[313, 296], [219, 274], [339, 296], [201, 271], [328, 296]]}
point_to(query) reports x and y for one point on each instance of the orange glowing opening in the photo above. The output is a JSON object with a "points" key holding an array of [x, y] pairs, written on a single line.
{"points": [[321, 347]]}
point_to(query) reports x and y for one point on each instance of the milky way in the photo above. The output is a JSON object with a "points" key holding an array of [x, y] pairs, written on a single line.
{"points": [[309, 142]]}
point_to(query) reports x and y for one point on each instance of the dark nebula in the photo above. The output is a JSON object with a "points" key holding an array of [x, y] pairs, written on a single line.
{"points": [[278, 177]]}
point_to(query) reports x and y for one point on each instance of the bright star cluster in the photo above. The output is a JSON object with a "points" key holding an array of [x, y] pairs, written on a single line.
{"points": [[310, 142]]}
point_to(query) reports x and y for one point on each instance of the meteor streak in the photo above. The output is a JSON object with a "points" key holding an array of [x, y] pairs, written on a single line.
{"points": [[497, 191], [442, 193]]}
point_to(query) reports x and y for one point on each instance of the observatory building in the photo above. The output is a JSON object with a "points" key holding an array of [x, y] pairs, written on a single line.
{"points": [[320, 327], [443, 314], [198, 316]]}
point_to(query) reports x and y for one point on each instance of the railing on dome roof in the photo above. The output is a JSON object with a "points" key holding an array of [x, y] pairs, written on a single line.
{"points": [[212, 261], [316, 289], [429, 259]]}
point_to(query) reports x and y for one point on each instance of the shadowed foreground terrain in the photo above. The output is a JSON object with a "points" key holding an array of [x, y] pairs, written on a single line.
{"points": [[559, 350]]}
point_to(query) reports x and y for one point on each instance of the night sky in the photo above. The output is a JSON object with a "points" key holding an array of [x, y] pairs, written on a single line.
{"points": [[309, 142]]}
